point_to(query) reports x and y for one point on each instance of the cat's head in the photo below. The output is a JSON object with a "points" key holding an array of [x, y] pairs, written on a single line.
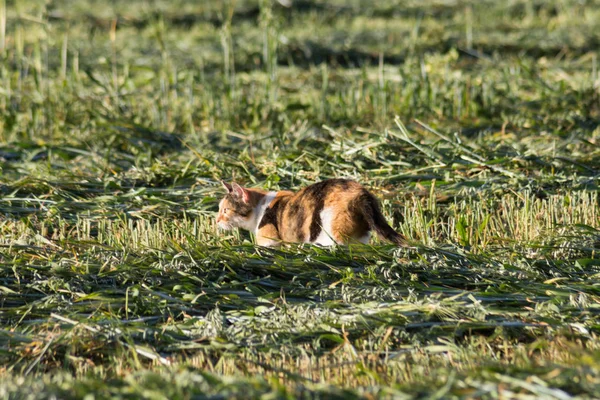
{"points": [[236, 209]]}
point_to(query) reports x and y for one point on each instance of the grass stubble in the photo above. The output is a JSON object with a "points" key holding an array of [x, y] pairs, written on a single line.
{"points": [[475, 123]]}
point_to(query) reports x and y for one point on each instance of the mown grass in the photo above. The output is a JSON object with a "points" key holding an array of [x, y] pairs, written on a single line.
{"points": [[476, 123]]}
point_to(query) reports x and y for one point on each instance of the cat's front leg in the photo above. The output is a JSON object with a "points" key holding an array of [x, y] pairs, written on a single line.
{"points": [[268, 236]]}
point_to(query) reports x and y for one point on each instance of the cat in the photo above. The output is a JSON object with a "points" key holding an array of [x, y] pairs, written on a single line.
{"points": [[334, 211]]}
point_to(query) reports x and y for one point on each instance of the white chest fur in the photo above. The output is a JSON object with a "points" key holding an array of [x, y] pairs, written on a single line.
{"points": [[260, 209]]}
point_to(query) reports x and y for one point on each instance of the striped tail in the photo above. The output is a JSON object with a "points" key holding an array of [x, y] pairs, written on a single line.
{"points": [[377, 222]]}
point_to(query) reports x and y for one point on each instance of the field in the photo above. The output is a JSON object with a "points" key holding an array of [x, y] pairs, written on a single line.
{"points": [[477, 124]]}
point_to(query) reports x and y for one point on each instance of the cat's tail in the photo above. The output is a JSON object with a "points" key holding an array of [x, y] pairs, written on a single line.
{"points": [[377, 222]]}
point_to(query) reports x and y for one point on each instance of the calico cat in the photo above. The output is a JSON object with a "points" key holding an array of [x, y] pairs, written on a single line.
{"points": [[335, 211]]}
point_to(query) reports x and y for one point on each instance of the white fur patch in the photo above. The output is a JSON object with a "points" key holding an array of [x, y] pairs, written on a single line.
{"points": [[260, 209], [325, 237]]}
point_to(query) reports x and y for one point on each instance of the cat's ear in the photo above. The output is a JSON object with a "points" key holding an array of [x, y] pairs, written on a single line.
{"points": [[227, 186], [241, 193]]}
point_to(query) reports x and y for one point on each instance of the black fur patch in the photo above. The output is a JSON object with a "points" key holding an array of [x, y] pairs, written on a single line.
{"points": [[239, 207], [271, 216], [376, 220], [317, 194]]}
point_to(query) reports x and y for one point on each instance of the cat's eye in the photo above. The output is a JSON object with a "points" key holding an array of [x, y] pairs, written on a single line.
{"points": [[225, 210]]}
